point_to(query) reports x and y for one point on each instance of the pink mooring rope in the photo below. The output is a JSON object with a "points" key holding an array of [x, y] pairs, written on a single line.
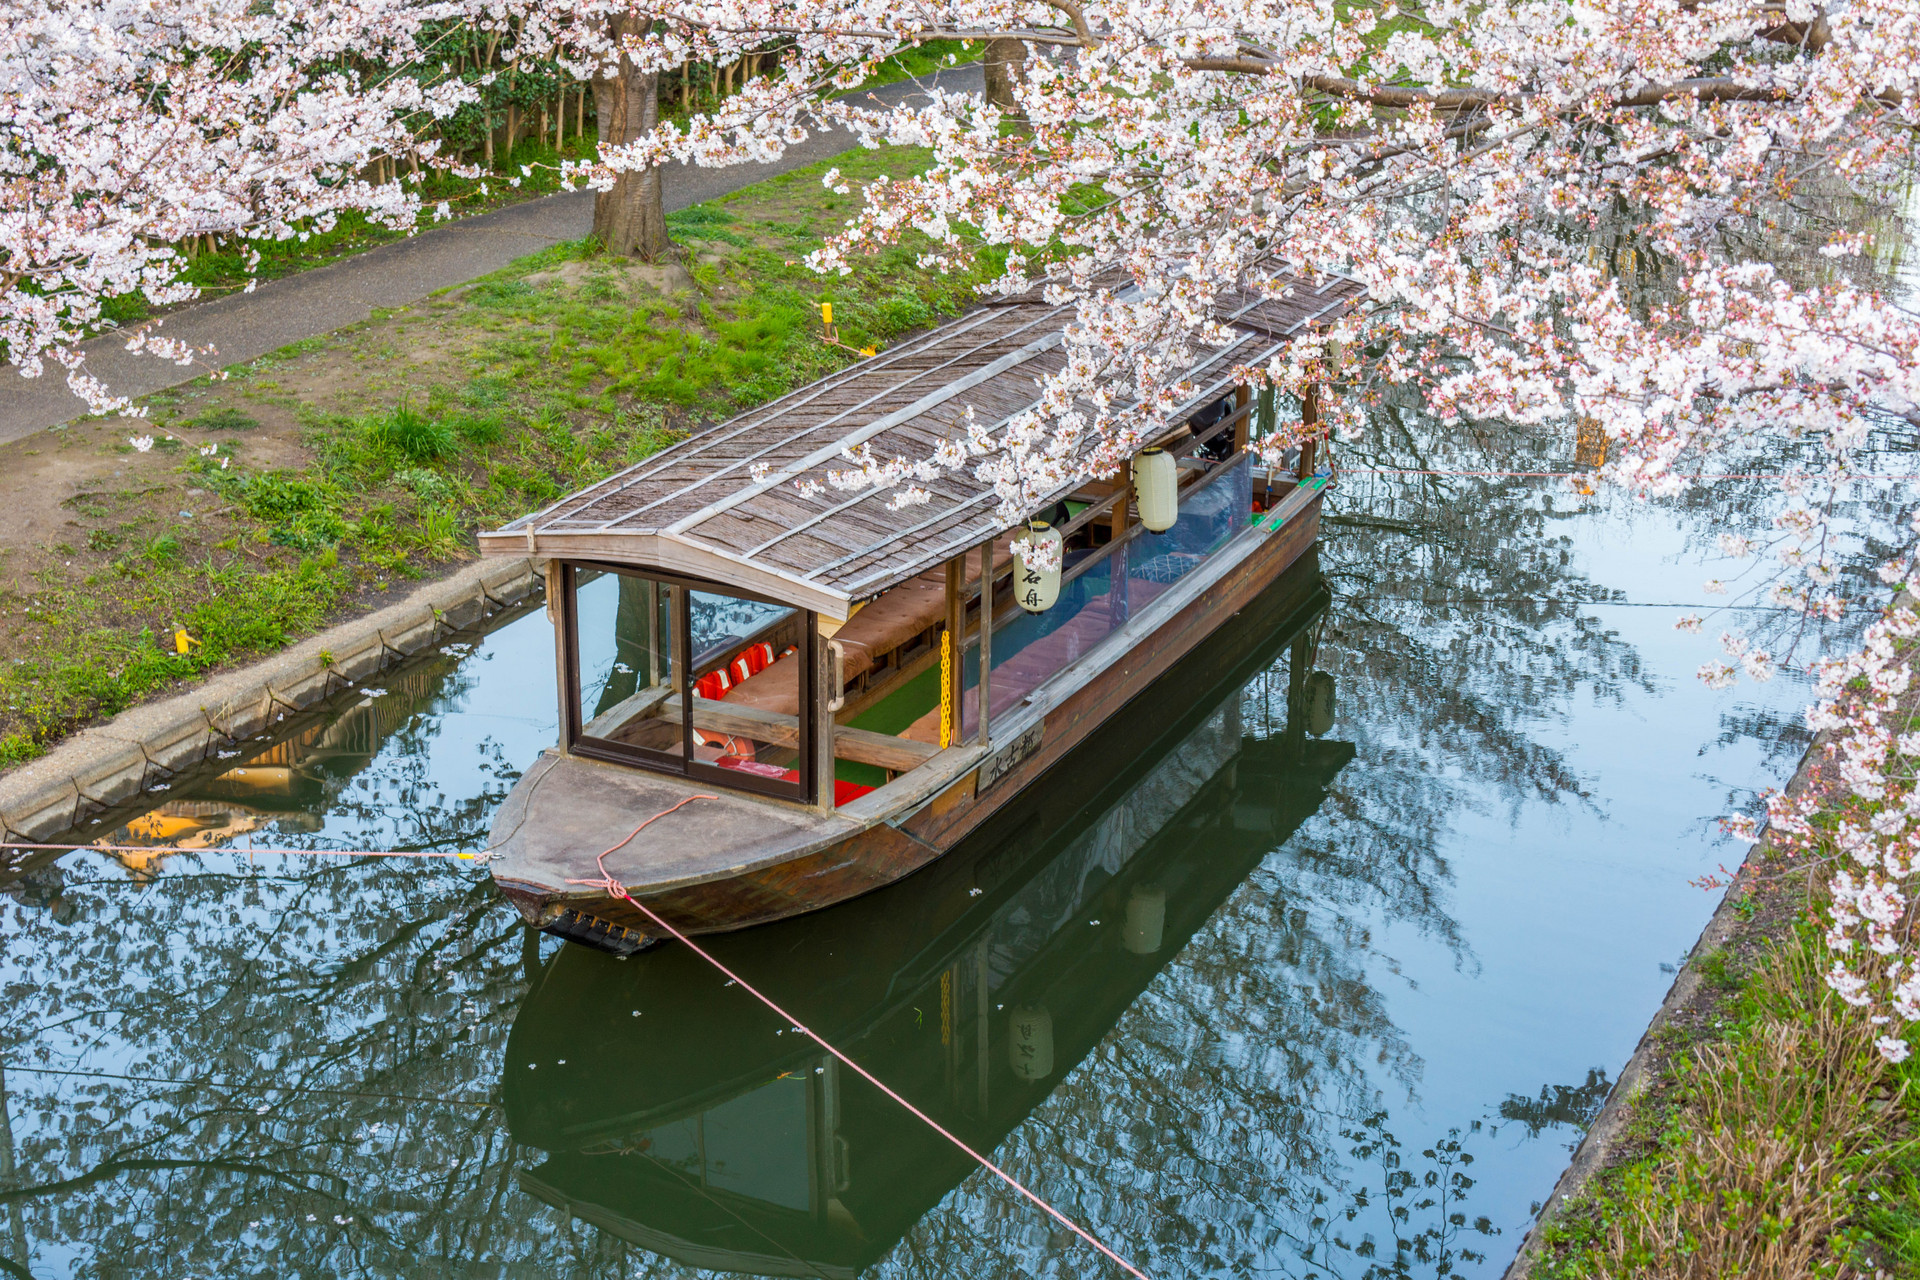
{"points": [[619, 890], [249, 849]]}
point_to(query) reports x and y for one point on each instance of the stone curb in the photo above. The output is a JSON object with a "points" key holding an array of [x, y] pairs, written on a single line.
{"points": [[1603, 1136], [110, 763]]}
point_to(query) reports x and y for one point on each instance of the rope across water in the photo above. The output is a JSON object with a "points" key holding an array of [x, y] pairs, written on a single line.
{"points": [[253, 851], [618, 890]]}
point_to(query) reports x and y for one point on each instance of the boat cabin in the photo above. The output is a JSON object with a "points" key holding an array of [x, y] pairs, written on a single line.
{"points": [[727, 615]]}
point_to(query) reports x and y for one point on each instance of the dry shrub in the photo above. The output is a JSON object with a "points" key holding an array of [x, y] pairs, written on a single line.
{"points": [[1766, 1147]]}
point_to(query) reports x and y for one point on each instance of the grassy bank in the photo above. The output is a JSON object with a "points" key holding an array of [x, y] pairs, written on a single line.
{"points": [[223, 269], [315, 482], [1774, 1141]]}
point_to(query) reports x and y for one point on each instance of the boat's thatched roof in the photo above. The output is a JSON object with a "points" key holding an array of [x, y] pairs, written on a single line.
{"points": [[695, 509]]}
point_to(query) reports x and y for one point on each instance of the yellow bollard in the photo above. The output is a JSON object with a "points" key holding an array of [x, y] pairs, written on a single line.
{"points": [[826, 313]]}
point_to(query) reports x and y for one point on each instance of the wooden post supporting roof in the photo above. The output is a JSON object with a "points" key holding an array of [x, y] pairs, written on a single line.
{"points": [[823, 725], [986, 633], [950, 658], [1310, 419]]}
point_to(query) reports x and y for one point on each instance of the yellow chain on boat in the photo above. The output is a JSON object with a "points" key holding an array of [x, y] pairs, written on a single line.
{"points": [[946, 690]]}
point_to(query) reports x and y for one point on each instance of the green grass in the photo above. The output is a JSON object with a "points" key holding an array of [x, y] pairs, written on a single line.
{"points": [[105, 669], [1781, 1147], [751, 328], [569, 367]]}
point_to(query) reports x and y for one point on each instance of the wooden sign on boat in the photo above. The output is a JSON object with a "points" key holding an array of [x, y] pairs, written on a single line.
{"points": [[807, 661]]}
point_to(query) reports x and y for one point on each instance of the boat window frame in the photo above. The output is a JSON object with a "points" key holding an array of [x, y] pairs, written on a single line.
{"points": [[1104, 554], [1135, 529], [685, 766]]}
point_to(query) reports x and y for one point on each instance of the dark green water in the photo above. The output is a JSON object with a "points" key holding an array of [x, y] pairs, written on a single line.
{"points": [[1245, 1001]]}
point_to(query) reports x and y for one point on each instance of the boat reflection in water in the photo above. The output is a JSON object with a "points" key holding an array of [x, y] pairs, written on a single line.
{"points": [[288, 786], [681, 1115]]}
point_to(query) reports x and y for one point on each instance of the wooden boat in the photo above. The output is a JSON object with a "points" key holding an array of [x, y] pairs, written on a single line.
{"points": [[806, 660], [673, 1116]]}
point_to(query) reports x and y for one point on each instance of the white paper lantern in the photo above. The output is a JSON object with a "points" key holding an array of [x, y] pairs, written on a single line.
{"points": [[1030, 1043], [1036, 588], [1156, 486], [1146, 919]]}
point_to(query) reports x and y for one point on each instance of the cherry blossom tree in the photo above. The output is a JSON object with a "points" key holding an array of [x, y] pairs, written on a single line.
{"points": [[1559, 212], [127, 128], [1560, 215]]}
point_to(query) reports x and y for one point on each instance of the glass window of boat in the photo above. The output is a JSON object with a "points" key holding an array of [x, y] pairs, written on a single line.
{"points": [[1211, 512], [627, 682], [690, 678], [1104, 582]]}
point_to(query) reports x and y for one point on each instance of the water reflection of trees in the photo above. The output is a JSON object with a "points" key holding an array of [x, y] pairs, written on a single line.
{"points": [[1249, 1088], [300, 1063], [316, 1047], [272, 1070], [282, 1048]]}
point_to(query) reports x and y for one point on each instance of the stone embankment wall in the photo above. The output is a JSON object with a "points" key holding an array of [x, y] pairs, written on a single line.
{"points": [[102, 767]]}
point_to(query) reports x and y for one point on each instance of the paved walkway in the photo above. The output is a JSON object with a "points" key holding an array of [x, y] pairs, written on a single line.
{"points": [[242, 327]]}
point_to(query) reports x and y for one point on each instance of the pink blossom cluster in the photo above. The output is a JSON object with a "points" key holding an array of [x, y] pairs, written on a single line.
{"points": [[1507, 180], [1860, 813], [1547, 205]]}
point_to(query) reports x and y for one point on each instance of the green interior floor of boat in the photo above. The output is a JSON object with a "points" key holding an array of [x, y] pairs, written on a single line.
{"points": [[891, 716]]}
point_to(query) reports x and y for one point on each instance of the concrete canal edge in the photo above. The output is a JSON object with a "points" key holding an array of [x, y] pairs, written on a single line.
{"points": [[103, 766], [1603, 1137]]}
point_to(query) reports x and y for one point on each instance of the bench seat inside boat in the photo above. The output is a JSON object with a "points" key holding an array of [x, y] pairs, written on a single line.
{"points": [[885, 624]]}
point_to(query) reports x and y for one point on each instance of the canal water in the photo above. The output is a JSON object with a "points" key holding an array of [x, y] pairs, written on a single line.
{"points": [[1324, 997], [1325, 987]]}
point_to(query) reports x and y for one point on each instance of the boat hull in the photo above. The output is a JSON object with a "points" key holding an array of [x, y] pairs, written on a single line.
{"points": [[844, 858]]}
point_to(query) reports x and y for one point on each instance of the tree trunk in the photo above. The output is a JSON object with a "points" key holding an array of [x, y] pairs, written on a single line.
{"points": [[1006, 66], [629, 219]]}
